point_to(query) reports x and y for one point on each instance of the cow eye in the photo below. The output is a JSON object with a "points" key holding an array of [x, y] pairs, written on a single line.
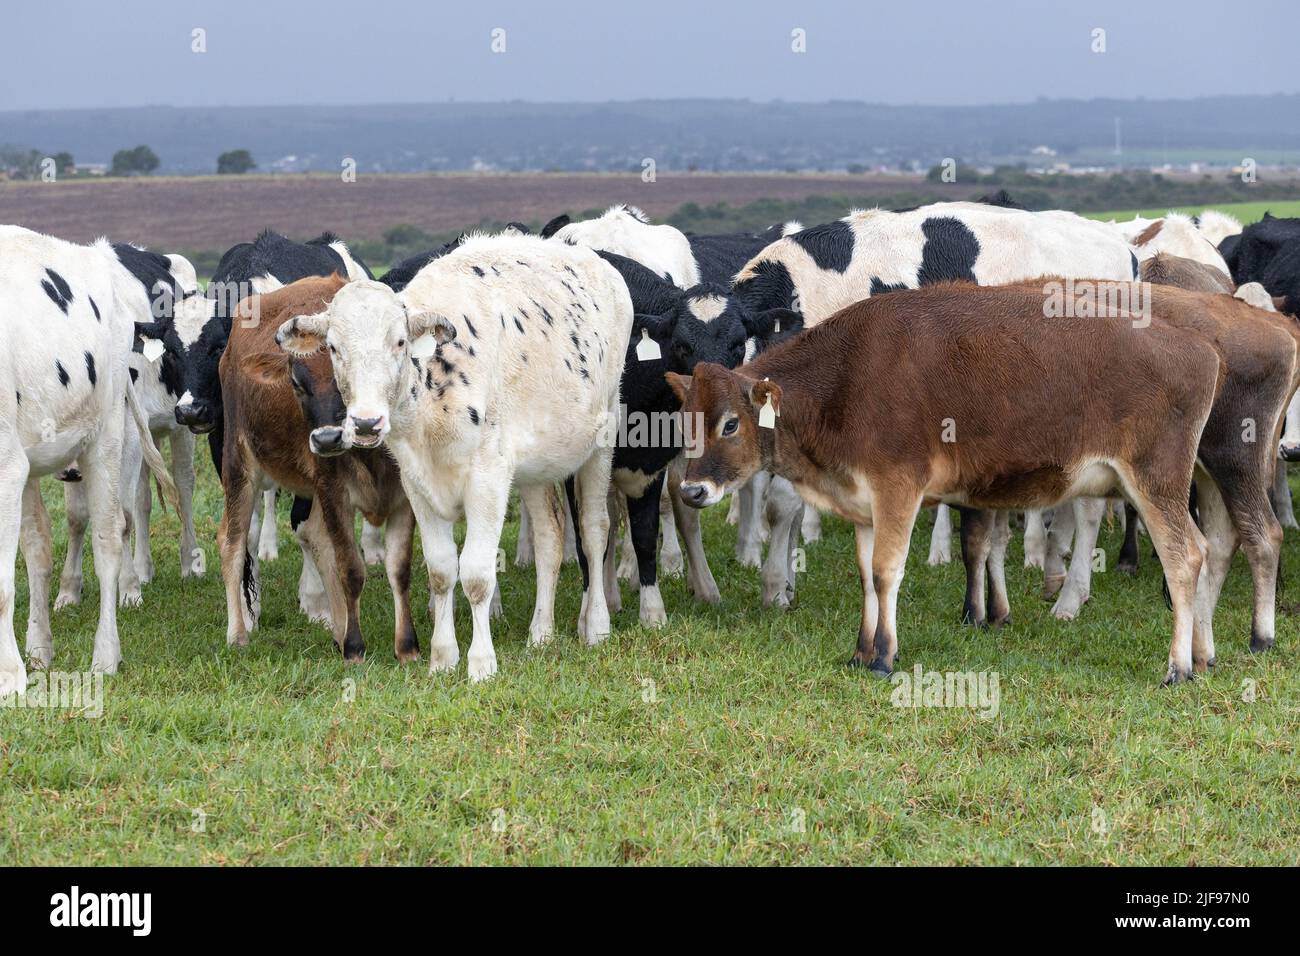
{"points": [[730, 427], [401, 343]]}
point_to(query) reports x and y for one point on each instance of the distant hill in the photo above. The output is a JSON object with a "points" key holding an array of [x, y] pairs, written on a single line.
{"points": [[712, 135]]}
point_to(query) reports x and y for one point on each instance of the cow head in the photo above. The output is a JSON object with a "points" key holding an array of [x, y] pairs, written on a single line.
{"points": [[312, 381], [371, 338], [728, 446], [197, 338]]}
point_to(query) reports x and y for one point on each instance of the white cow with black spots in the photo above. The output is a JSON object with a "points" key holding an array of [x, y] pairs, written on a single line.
{"points": [[66, 330], [521, 389]]}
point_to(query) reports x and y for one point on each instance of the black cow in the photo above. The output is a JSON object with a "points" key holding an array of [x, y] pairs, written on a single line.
{"points": [[1268, 252]]}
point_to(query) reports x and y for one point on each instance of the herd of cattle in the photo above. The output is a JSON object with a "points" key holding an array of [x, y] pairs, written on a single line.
{"points": [[869, 367]]}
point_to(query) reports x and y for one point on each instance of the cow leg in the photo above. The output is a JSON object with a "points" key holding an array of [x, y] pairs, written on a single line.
{"points": [[784, 511], [671, 562], [39, 558], [1035, 539], [524, 546], [339, 519], [373, 543], [733, 509], [102, 478], [1088, 514], [1128, 551], [615, 504], [237, 570], [182, 451], [699, 577], [312, 599], [976, 544], [1181, 548], [1282, 505], [485, 514], [1221, 544], [13, 480], [749, 543], [592, 484], [810, 528], [1261, 538], [941, 537], [140, 510], [268, 537], [570, 538], [78, 512], [893, 516], [620, 530], [865, 535], [1060, 534], [548, 553], [136, 508], [439, 545], [643, 529], [999, 608], [399, 530]]}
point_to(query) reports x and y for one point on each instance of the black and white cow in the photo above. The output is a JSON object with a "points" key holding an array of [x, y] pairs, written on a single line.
{"points": [[165, 285], [66, 315], [822, 269], [673, 330]]}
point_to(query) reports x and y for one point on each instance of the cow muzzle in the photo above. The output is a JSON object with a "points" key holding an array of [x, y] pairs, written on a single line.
{"points": [[1289, 451], [700, 494], [328, 441], [197, 416], [368, 430]]}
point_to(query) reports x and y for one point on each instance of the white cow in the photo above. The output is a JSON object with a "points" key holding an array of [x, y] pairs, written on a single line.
{"points": [[823, 269], [1217, 226], [1174, 234], [65, 394], [522, 389]]}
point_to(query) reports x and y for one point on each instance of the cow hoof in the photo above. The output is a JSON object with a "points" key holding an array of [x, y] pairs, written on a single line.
{"points": [[105, 663], [939, 556], [539, 637], [652, 611], [131, 598], [443, 659], [67, 599], [1258, 645], [1127, 567], [1177, 675], [1051, 585], [751, 557], [373, 556], [13, 680], [672, 565], [40, 653], [1211, 662], [237, 640], [482, 667]]}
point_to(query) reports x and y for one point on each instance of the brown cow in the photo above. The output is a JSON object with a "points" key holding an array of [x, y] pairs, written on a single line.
{"points": [[283, 418], [964, 394], [1236, 457], [1171, 270]]}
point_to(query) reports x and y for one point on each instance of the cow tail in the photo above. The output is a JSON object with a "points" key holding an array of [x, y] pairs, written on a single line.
{"points": [[152, 457]]}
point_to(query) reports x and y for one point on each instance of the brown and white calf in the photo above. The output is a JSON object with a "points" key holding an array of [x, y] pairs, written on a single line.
{"points": [[953, 393], [284, 420]]}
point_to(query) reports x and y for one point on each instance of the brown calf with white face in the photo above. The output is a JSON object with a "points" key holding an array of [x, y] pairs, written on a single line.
{"points": [[966, 395], [284, 419]]}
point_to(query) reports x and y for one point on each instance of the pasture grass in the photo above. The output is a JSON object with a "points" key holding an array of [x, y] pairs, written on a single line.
{"points": [[1246, 212], [734, 735]]}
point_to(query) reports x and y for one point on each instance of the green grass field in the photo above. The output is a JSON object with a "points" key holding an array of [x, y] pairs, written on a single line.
{"points": [[734, 735], [1246, 212]]}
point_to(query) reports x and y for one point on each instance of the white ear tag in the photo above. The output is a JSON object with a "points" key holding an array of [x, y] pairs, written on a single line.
{"points": [[424, 346], [152, 349], [776, 327], [647, 350], [767, 414]]}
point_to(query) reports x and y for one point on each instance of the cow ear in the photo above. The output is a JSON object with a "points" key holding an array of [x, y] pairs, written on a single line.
{"points": [[659, 326], [303, 334], [150, 330], [554, 226], [265, 368], [431, 324], [760, 392], [680, 384]]}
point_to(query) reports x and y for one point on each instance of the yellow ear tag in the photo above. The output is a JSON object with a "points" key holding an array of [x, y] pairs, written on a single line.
{"points": [[767, 414], [152, 350], [647, 350]]}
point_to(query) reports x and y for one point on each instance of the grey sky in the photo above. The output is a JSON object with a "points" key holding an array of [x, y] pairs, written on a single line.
{"points": [[59, 54]]}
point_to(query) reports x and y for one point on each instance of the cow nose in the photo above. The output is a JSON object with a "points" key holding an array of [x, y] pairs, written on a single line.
{"points": [[327, 440], [694, 495], [193, 413], [1289, 452], [367, 426]]}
